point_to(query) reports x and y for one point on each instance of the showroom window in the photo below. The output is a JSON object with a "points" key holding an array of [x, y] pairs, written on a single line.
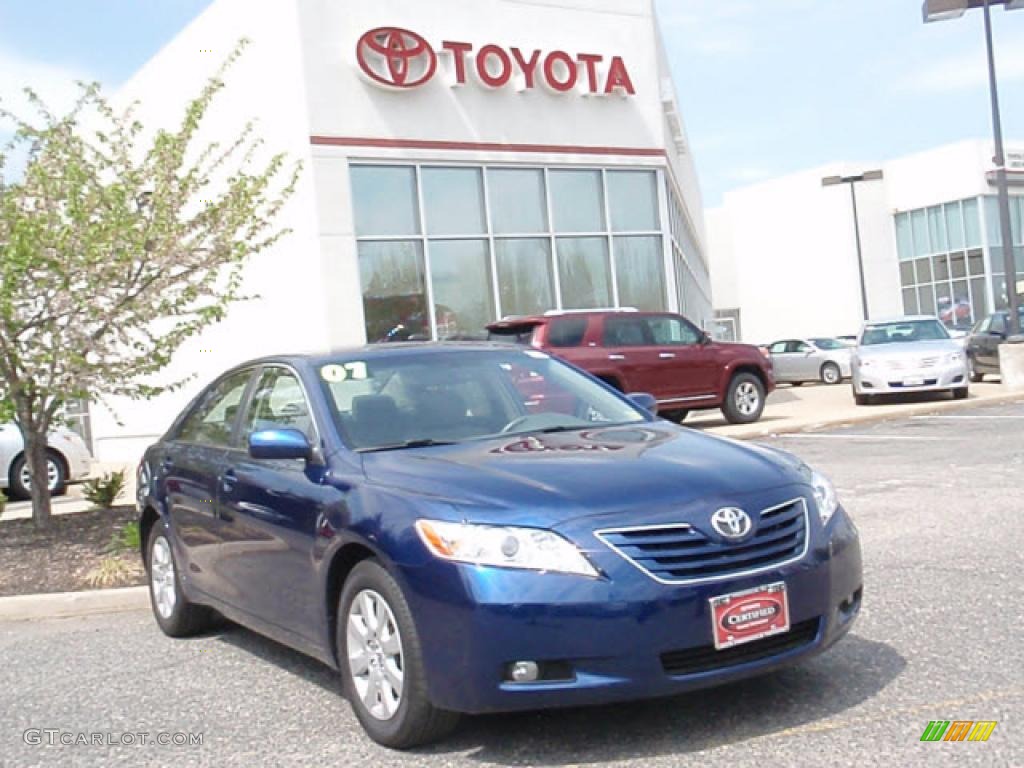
{"points": [[942, 262], [445, 249], [995, 241]]}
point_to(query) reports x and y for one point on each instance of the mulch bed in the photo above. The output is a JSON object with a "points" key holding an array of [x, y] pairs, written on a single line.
{"points": [[64, 558]]}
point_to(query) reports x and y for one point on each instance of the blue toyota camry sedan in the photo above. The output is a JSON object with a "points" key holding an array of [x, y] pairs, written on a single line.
{"points": [[466, 528]]}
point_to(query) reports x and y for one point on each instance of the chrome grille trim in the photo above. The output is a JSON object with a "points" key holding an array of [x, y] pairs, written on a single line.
{"points": [[603, 534]]}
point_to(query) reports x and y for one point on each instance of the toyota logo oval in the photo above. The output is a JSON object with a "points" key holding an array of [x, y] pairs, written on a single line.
{"points": [[731, 523], [396, 57]]}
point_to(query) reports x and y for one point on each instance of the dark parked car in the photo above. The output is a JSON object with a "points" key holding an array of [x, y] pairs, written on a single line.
{"points": [[656, 352], [983, 344], [405, 515]]}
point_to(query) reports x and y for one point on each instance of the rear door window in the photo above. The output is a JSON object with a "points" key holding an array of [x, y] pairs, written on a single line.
{"points": [[626, 331], [666, 330], [567, 331], [212, 420]]}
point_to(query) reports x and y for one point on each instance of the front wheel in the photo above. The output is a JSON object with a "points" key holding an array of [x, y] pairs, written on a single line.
{"points": [[21, 479], [381, 662], [744, 401], [830, 374], [960, 393], [972, 368]]}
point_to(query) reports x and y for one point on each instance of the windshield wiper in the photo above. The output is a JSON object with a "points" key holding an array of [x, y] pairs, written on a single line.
{"points": [[422, 443]]}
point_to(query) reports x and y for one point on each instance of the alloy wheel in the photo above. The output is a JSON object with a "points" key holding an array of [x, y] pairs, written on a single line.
{"points": [[830, 374], [375, 661], [52, 475], [161, 577], [747, 398]]}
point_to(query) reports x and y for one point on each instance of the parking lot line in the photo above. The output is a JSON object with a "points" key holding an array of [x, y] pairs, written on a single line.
{"points": [[829, 436], [965, 416]]}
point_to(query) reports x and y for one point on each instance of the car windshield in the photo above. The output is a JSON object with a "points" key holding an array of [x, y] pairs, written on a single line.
{"points": [[828, 344], [904, 331], [435, 397]]}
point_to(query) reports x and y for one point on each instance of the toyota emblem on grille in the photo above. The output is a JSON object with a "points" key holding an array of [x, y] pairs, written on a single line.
{"points": [[396, 57], [731, 523]]}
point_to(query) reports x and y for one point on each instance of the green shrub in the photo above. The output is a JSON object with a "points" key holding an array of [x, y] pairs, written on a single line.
{"points": [[111, 572], [103, 491], [3, 502], [128, 539]]}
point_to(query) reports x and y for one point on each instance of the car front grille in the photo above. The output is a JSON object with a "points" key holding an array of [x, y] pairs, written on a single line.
{"points": [[903, 365], [706, 658], [679, 554]]}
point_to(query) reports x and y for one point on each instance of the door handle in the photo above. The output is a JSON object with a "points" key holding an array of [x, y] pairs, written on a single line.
{"points": [[666, 355], [228, 481], [616, 357]]}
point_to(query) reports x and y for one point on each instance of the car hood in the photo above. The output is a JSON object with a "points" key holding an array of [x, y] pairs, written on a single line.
{"points": [[547, 479], [904, 349]]}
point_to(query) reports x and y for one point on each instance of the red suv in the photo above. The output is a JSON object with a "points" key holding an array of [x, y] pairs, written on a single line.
{"points": [[656, 352]]}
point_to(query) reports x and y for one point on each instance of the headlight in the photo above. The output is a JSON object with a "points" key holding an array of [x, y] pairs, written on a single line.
{"points": [[528, 548], [825, 495]]}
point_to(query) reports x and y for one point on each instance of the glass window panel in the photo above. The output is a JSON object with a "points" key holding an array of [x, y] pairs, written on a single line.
{"points": [[937, 229], [278, 402], [633, 200], [384, 200], [961, 305], [954, 226], [972, 223], [904, 236], [910, 301], [976, 262], [213, 420], [907, 273], [958, 264], [1015, 223], [978, 301], [995, 236], [517, 200], [999, 289], [583, 272], [639, 269], [394, 290], [919, 221], [927, 300], [453, 200], [941, 268], [924, 270], [944, 303], [460, 276], [525, 283], [577, 203]]}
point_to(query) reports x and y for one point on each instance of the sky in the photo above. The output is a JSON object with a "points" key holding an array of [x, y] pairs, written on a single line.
{"points": [[766, 87]]}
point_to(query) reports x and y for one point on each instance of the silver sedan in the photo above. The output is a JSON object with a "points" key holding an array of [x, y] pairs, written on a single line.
{"points": [[812, 359], [67, 459]]}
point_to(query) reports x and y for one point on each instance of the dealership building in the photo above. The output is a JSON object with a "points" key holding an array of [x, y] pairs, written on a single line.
{"points": [[464, 161], [784, 251]]}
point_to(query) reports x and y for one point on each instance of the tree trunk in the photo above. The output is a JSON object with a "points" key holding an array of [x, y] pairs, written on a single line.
{"points": [[35, 453]]}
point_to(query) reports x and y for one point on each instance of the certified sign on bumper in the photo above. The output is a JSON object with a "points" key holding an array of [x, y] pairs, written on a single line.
{"points": [[743, 617]]}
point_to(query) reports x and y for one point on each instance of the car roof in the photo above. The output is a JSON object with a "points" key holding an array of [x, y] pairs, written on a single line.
{"points": [[376, 352], [899, 319]]}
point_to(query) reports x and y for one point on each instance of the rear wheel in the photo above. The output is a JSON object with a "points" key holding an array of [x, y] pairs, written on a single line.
{"points": [[175, 615], [381, 662], [744, 401], [830, 374], [972, 368], [21, 480]]}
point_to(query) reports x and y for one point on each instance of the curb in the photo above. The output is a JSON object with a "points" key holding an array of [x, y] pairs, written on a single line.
{"points": [[872, 414], [60, 605]]}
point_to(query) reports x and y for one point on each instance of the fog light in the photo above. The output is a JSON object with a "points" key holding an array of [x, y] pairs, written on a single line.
{"points": [[524, 671]]}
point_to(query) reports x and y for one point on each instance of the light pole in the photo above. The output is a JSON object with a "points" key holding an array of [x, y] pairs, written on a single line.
{"points": [[831, 181], [939, 10]]}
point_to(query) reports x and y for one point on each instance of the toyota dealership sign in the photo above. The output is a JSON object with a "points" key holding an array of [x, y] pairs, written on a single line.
{"points": [[393, 57]]}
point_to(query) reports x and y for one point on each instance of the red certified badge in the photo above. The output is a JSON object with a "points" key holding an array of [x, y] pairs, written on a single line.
{"points": [[743, 617]]}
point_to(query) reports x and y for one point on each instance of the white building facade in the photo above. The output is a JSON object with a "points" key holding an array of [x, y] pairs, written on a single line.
{"points": [[464, 161], [784, 258]]}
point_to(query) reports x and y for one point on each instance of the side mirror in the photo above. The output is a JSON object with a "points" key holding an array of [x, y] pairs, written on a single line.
{"points": [[705, 338], [279, 444], [645, 401]]}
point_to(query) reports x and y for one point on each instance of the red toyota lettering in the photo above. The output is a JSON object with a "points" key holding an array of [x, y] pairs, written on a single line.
{"points": [[458, 51], [550, 62], [494, 53], [590, 60], [527, 67], [618, 77]]}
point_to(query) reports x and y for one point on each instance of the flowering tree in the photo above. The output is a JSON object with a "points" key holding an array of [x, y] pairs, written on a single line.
{"points": [[116, 248]]}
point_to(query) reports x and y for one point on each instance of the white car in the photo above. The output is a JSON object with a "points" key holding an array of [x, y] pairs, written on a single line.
{"points": [[67, 460], [908, 354]]}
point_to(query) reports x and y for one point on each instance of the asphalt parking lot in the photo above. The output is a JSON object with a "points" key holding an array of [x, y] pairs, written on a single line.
{"points": [[937, 499]]}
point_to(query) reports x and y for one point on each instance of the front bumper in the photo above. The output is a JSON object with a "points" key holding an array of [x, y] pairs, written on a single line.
{"points": [[610, 632], [881, 380]]}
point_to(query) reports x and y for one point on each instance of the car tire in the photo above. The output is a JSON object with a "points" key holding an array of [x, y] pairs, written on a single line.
{"points": [[56, 468], [744, 399], [174, 613], [972, 368], [677, 415], [960, 393], [830, 374], [796, 383], [414, 721]]}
